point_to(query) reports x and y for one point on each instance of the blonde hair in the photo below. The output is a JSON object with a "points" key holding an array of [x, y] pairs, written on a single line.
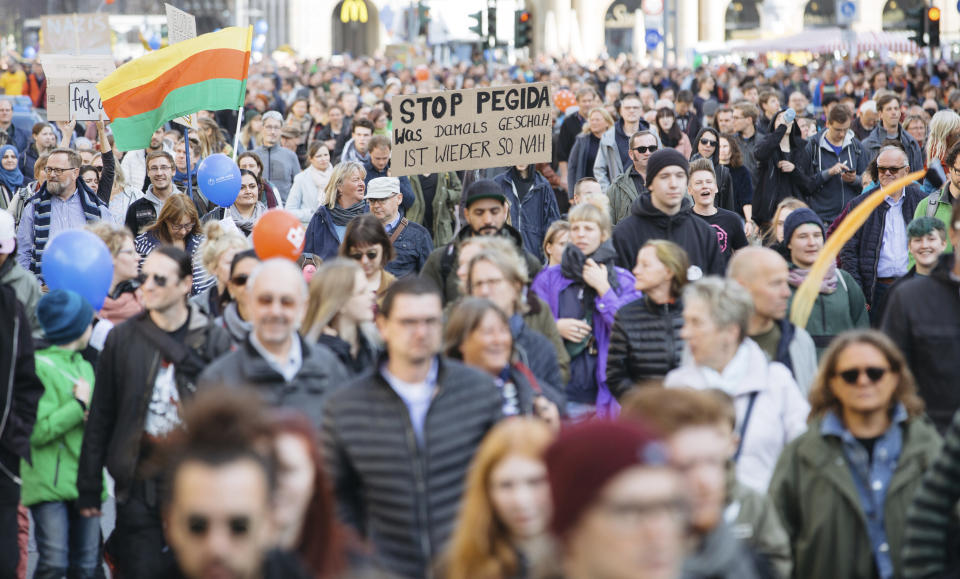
{"points": [[339, 175], [607, 117], [593, 213], [480, 547], [111, 234], [675, 259], [216, 242], [331, 288], [938, 130], [791, 203]]}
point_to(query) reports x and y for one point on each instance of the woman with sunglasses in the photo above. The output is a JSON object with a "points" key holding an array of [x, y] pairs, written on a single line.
{"points": [[843, 489], [708, 147], [365, 241], [340, 313], [585, 147], [235, 318], [246, 209], [177, 225]]}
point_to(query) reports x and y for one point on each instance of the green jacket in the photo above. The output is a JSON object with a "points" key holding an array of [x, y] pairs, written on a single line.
{"points": [[621, 193], [445, 206], [58, 434], [944, 203], [818, 503], [845, 309]]}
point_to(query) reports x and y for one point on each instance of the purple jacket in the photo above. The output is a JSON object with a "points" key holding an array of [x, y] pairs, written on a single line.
{"points": [[550, 282]]}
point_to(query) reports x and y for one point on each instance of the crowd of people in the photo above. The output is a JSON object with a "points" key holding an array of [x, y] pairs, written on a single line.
{"points": [[584, 368]]}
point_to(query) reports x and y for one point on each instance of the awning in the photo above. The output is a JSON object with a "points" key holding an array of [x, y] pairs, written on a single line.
{"points": [[825, 40]]}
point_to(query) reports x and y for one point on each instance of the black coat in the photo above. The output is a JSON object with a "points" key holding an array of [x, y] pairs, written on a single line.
{"points": [[922, 317], [644, 343], [320, 374], [725, 196], [126, 374], [20, 389], [773, 185], [366, 353], [646, 222], [401, 496], [860, 256]]}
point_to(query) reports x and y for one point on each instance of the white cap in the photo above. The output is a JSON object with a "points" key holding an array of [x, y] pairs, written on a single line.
{"points": [[382, 187], [8, 233]]}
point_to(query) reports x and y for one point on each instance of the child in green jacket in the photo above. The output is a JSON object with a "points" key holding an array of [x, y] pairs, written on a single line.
{"points": [[67, 543]]}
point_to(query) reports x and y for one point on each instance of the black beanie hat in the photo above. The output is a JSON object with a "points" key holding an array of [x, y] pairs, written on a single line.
{"points": [[664, 158]]}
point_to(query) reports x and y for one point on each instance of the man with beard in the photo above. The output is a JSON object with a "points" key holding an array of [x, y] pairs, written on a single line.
{"points": [[143, 212], [134, 163], [63, 202]]}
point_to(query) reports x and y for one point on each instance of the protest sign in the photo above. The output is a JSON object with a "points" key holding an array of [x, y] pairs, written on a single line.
{"points": [[85, 103], [75, 34], [182, 26], [471, 129], [62, 70]]}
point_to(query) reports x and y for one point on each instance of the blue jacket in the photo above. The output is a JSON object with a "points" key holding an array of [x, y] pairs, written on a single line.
{"points": [[860, 255], [412, 247], [535, 213], [322, 238]]}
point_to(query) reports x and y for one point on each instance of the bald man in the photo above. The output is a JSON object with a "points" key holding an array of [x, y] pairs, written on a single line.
{"points": [[275, 360], [763, 272]]}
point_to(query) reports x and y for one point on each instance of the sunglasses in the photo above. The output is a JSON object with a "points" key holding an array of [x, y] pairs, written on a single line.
{"points": [[890, 170], [371, 255], [240, 279], [160, 280], [708, 142], [641, 149], [851, 376]]}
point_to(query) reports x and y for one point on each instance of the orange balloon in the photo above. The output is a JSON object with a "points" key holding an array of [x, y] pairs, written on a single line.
{"points": [[422, 73], [279, 234], [564, 98]]}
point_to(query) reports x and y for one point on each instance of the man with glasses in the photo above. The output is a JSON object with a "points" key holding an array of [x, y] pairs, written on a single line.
{"points": [[9, 133], [274, 359], [613, 154], [877, 256], [143, 212], [631, 183], [838, 163], [63, 202], [411, 241], [399, 439], [147, 369], [134, 163], [280, 165], [940, 203]]}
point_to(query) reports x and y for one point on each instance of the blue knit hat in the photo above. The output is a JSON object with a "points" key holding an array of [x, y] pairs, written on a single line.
{"points": [[799, 217], [64, 316]]}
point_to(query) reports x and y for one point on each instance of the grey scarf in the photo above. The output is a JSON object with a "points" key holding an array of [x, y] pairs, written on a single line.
{"points": [[343, 216], [243, 224]]}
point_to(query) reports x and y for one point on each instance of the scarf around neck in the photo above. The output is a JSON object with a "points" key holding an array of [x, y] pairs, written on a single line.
{"points": [[573, 260], [243, 224], [342, 216], [829, 284]]}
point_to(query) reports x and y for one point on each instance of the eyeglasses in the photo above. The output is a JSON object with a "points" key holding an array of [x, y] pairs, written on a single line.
{"points": [[160, 280], [890, 170], [182, 226], [56, 171], [371, 255], [874, 374], [240, 279], [641, 149], [379, 201], [708, 142]]}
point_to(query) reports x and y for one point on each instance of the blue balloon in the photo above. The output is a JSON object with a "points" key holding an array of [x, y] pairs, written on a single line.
{"points": [[259, 42], [80, 261], [153, 43], [219, 179], [30, 53], [260, 27]]}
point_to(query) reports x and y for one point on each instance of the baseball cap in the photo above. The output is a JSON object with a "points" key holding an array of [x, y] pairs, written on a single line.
{"points": [[382, 187], [484, 189]]}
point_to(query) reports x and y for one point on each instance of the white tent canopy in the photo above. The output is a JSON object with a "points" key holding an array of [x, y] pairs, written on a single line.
{"points": [[824, 40]]}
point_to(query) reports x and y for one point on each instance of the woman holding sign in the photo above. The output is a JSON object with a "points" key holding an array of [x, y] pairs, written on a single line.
{"points": [[344, 202]]}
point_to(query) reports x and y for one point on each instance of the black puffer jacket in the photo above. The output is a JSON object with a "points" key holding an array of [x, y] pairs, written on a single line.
{"points": [[646, 222], [645, 343], [773, 185]]}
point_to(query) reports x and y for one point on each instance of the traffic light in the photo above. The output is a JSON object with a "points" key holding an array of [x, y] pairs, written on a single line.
{"points": [[916, 21], [521, 36], [478, 27], [933, 27], [492, 23], [423, 18]]}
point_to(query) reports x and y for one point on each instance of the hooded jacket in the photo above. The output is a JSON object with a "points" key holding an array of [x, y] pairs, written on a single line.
{"points": [[534, 212], [921, 318], [646, 222], [773, 185], [874, 142], [726, 199], [609, 162], [830, 194]]}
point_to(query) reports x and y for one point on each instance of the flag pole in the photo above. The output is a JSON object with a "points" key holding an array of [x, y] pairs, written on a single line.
{"points": [[236, 136], [186, 150]]}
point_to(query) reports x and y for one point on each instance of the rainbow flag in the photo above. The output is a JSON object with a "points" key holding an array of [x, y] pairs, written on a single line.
{"points": [[208, 72]]}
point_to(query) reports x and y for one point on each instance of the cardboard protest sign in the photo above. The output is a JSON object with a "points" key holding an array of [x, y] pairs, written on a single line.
{"points": [[62, 70], [75, 34], [471, 129], [182, 26], [85, 103]]}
